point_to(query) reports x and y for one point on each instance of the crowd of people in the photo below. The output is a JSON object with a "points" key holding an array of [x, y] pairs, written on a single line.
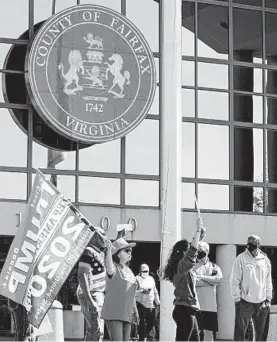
{"points": [[111, 295]]}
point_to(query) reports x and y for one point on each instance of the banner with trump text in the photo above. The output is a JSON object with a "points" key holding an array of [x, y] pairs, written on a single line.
{"points": [[44, 250]]}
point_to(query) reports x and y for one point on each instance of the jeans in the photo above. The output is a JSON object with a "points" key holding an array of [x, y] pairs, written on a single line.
{"points": [[21, 324], [118, 330], [187, 327], [258, 312], [94, 327], [146, 321]]}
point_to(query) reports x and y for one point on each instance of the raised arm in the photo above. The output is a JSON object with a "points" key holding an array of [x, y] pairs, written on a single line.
{"points": [[110, 268], [189, 259]]}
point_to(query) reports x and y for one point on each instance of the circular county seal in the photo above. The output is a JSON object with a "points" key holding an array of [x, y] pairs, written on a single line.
{"points": [[91, 74]]}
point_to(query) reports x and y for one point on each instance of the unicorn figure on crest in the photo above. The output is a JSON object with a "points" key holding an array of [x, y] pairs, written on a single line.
{"points": [[119, 78]]}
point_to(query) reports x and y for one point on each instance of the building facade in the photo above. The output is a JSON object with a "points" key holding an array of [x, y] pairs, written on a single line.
{"points": [[228, 135]]}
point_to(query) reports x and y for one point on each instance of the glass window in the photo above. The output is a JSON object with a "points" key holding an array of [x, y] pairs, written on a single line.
{"points": [[213, 39], [188, 73], [142, 193], [13, 141], [248, 199], [248, 154], [188, 103], [14, 18], [271, 200], [142, 148], [270, 31], [243, 108], [213, 151], [43, 10], [1, 89], [213, 75], [188, 28], [271, 110], [270, 79], [63, 4], [101, 157], [271, 3], [13, 185], [157, 62], [247, 38], [219, 199], [271, 156], [155, 107], [249, 2], [248, 79], [145, 15], [4, 49], [66, 185], [99, 190], [188, 149], [43, 156], [188, 192], [213, 105]]}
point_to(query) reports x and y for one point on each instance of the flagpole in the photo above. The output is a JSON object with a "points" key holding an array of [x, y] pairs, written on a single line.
{"points": [[171, 143]]}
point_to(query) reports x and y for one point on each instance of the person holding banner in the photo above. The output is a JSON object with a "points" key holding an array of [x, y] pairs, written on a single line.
{"points": [[178, 270], [90, 292], [22, 329], [119, 309]]}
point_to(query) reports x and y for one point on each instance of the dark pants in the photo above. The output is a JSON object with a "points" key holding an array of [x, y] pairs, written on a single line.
{"points": [[20, 319], [94, 327], [146, 321], [258, 312], [187, 327]]}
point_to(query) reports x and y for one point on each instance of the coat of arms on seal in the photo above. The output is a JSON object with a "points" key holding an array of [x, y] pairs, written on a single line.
{"points": [[91, 74], [93, 69]]}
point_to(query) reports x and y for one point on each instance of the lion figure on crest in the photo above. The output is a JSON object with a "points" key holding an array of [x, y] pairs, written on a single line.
{"points": [[76, 65]]}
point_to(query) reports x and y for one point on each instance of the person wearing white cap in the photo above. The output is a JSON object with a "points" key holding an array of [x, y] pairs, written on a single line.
{"points": [[146, 296], [119, 310], [208, 277], [251, 286]]}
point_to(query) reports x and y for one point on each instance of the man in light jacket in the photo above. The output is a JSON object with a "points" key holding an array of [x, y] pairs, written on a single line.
{"points": [[208, 277], [251, 286]]}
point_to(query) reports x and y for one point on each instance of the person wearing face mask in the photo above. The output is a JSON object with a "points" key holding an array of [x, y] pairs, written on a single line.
{"points": [[208, 277], [178, 271], [146, 296], [251, 286]]}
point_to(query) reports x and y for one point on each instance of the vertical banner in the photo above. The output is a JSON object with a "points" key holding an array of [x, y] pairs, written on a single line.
{"points": [[44, 250]]}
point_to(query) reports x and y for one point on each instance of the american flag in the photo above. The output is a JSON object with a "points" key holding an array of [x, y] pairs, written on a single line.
{"points": [[97, 276]]}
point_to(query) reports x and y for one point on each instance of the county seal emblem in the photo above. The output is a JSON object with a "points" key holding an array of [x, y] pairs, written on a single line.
{"points": [[91, 74]]}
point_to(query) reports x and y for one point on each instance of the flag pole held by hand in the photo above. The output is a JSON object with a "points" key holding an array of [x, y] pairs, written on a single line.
{"points": [[203, 229], [197, 208]]}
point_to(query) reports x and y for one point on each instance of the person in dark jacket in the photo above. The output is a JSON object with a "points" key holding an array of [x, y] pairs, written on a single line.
{"points": [[179, 271]]}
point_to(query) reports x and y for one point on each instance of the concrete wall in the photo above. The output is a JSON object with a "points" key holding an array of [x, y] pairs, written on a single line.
{"points": [[222, 228]]}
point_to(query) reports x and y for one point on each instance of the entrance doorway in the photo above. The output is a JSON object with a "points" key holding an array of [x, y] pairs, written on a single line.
{"points": [[147, 253]]}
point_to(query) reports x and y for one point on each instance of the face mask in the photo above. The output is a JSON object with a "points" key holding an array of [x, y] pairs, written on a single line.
{"points": [[201, 255], [252, 246]]}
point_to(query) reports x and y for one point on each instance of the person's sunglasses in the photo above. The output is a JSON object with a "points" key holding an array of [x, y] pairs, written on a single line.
{"points": [[128, 250], [144, 271]]}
